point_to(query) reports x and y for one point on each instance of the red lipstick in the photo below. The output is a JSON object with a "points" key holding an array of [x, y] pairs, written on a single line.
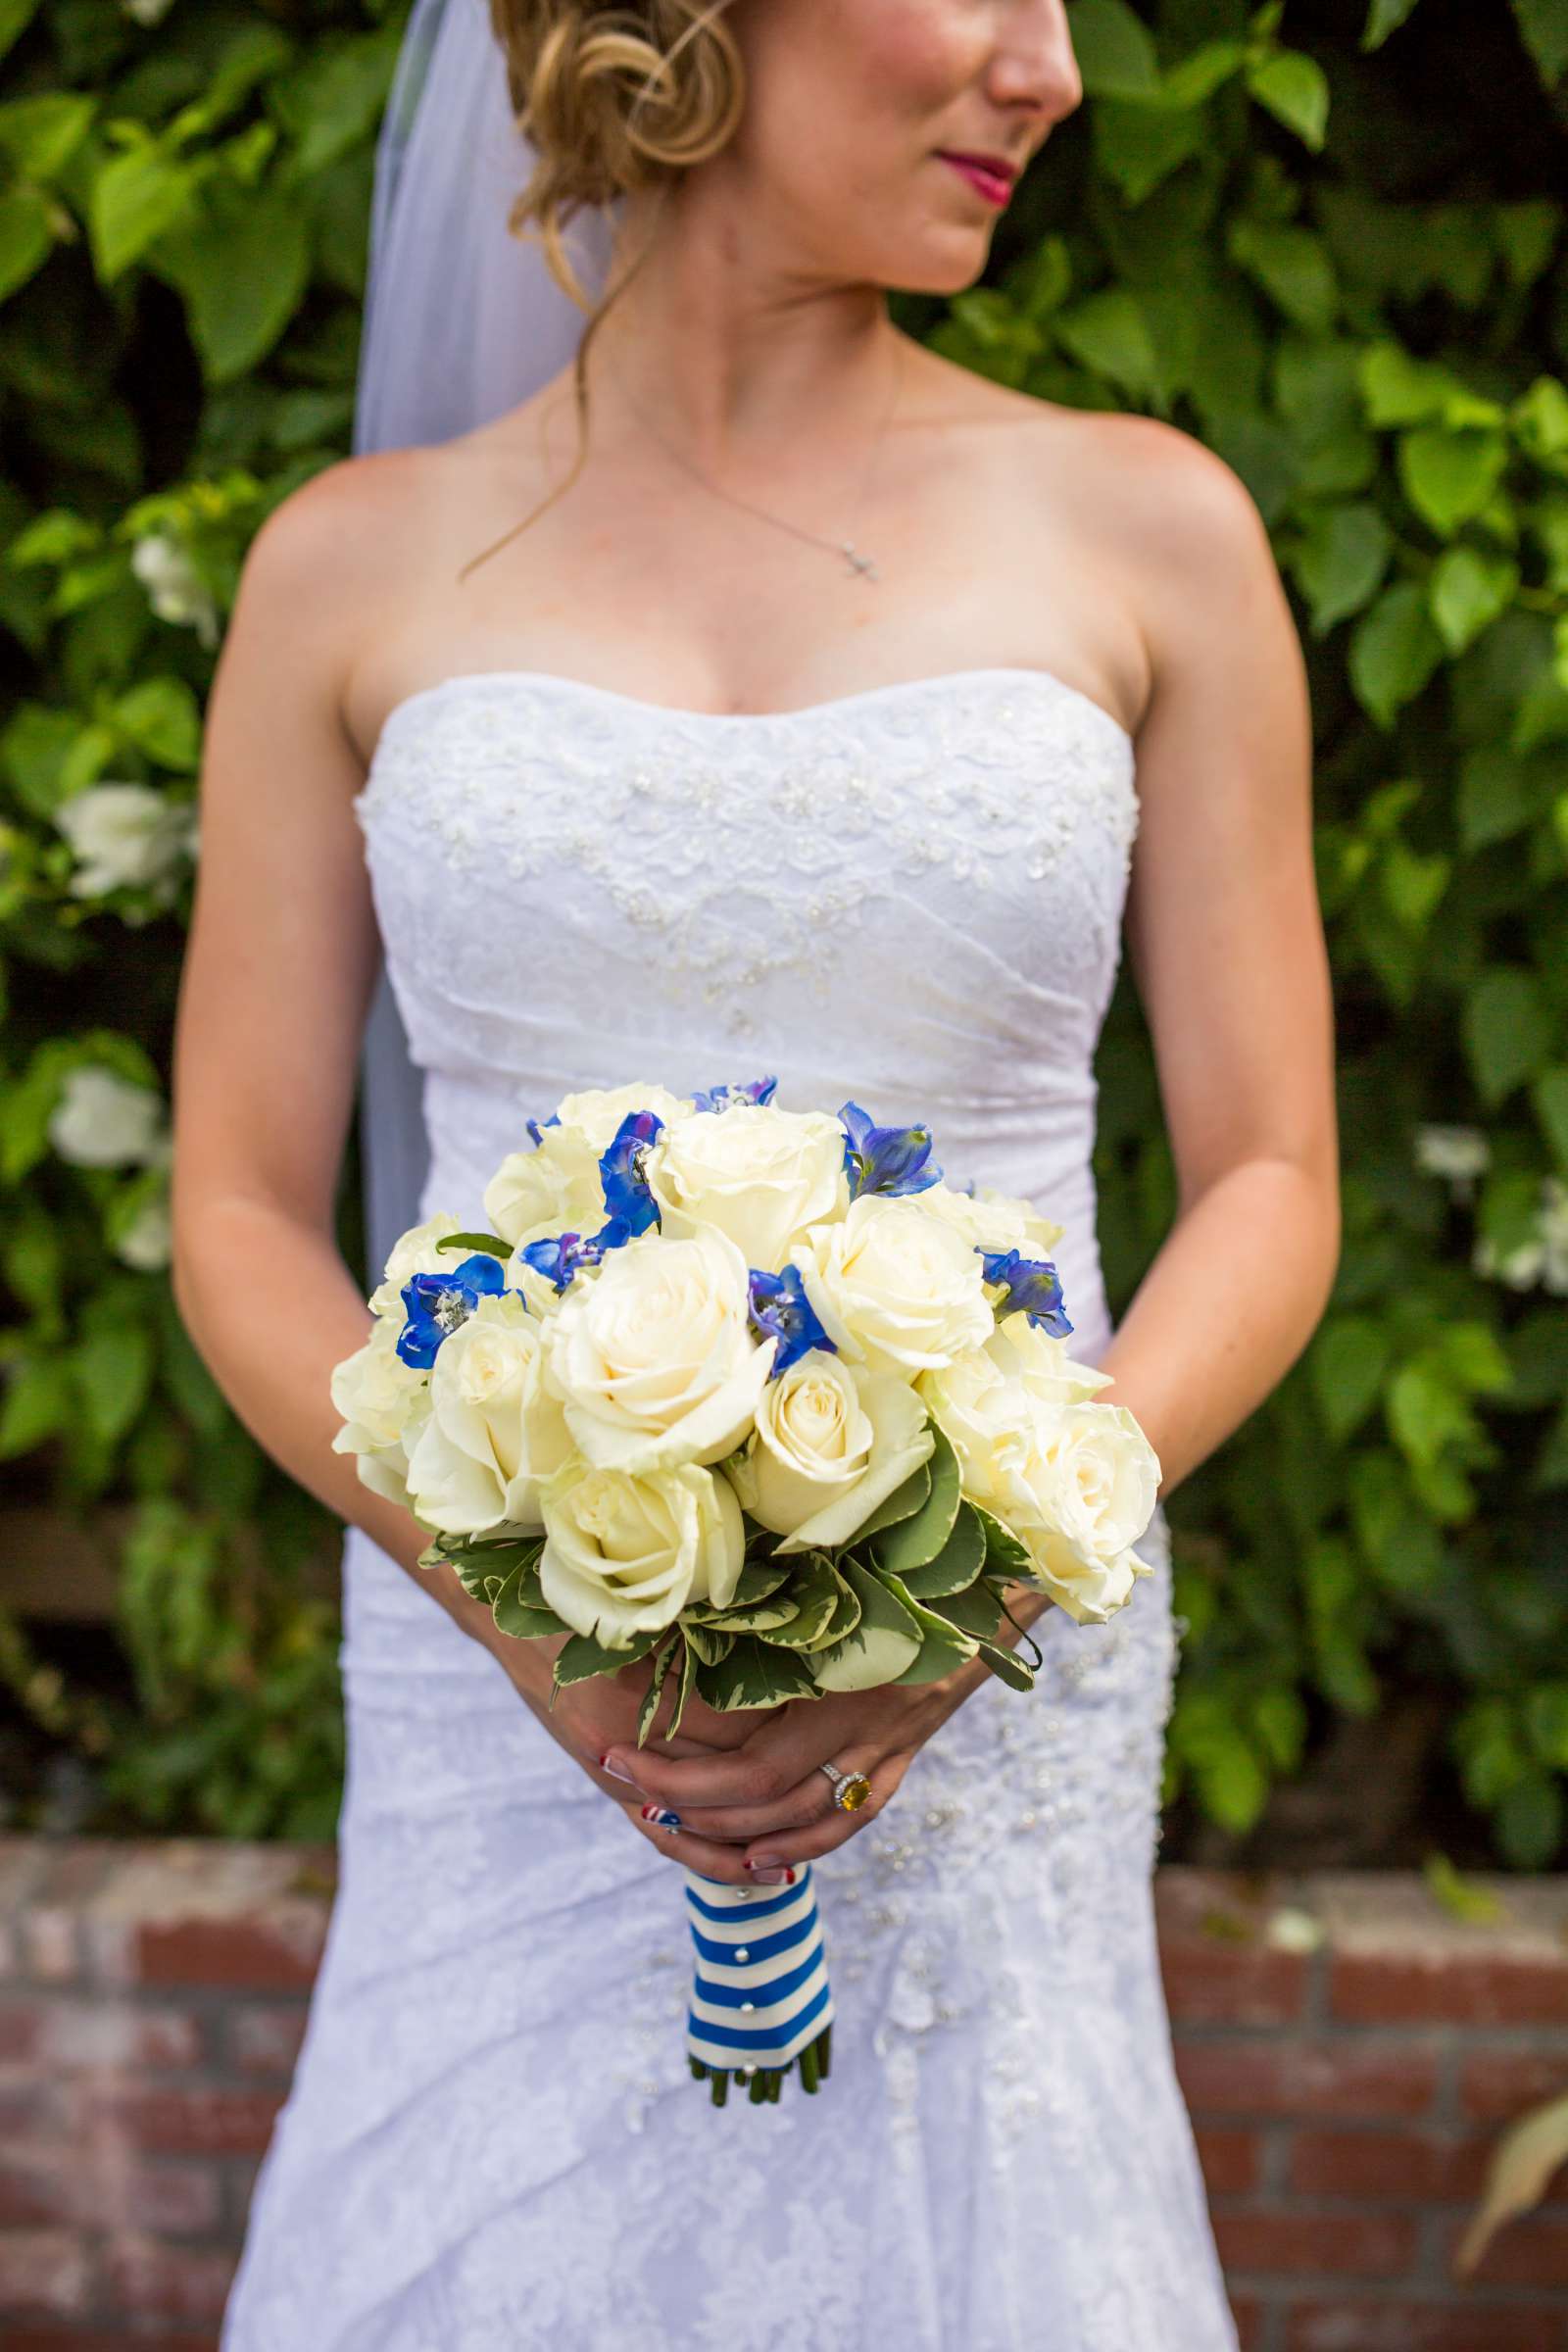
{"points": [[990, 175]]}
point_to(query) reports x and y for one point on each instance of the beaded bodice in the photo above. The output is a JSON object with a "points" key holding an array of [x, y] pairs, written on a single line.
{"points": [[911, 894]]}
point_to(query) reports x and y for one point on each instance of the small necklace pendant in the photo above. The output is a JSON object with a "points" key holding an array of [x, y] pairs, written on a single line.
{"points": [[858, 563]]}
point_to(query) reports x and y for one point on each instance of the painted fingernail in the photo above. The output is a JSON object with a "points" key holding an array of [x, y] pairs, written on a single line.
{"points": [[661, 1818], [771, 1878], [616, 1772], [766, 1862]]}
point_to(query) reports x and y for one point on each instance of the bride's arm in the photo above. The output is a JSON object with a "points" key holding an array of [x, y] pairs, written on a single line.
{"points": [[1227, 945], [281, 961]]}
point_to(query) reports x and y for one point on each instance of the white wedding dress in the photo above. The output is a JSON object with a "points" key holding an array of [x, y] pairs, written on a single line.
{"points": [[912, 896]]}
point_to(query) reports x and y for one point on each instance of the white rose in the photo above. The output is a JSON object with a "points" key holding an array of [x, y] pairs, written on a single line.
{"points": [[104, 1121], [122, 835], [894, 1288], [833, 1441], [654, 1354], [624, 1553], [1082, 1494], [992, 1221], [761, 1175], [494, 1429], [598, 1111], [383, 1403], [1041, 1362], [414, 1253], [555, 1189], [984, 1414]]}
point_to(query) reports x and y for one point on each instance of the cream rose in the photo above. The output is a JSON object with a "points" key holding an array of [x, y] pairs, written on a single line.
{"points": [[555, 1189], [758, 1174], [494, 1429], [1041, 1362], [833, 1441], [984, 1414], [414, 1253], [1082, 1494], [991, 1220], [654, 1355], [598, 1111], [624, 1553], [383, 1403], [894, 1288]]}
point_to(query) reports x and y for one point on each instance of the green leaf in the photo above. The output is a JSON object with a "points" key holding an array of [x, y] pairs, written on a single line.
{"points": [[489, 1245], [112, 1371], [1540, 419], [955, 1565], [944, 1647], [1295, 90], [708, 1646], [1401, 390], [162, 719], [242, 265], [1007, 1559], [135, 198], [1109, 334], [583, 1658], [762, 1574], [914, 1540], [664, 1661], [813, 1596], [520, 1608], [1447, 476], [39, 133], [1471, 588], [976, 1612], [774, 1610], [1293, 267], [1115, 55], [14, 18], [1549, 1094], [1383, 17], [754, 1675], [1347, 1362], [36, 1405], [886, 1640], [1496, 797], [1394, 652], [1006, 1665], [1544, 28], [1140, 146], [1340, 562], [27, 236], [1507, 1031]]}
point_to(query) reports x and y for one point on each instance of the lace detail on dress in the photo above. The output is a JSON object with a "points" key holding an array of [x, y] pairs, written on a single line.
{"points": [[742, 857]]}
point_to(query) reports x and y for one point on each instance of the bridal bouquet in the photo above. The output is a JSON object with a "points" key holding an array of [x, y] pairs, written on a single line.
{"points": [[753, 1398]]}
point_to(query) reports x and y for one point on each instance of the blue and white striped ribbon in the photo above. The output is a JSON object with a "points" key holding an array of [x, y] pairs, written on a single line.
{"points": [[759, 1993]]}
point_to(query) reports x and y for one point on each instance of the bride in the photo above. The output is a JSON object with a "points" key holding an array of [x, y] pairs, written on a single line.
{"points": [[755, 695]]}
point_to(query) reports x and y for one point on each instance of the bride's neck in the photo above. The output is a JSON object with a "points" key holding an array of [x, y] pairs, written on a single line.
{"points": [[724, 339]]}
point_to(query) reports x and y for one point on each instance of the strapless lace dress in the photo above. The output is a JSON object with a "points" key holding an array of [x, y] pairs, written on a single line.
{"points": [[913, 896]]}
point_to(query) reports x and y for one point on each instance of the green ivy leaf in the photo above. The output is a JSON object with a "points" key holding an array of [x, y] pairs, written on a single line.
{"points": [[755, 1675], [886, 1640], [1295, 90], [958, 1563], [1507, 1031], [1109, 334], [1448, 478], [1471, 588], [916, 1539], [1347, 1362], [1115, 55], [1293, 267], [1543, 26], [1550, 1094], [1383, 17], [1340, 562], [1394, 653], [583, 1658]]}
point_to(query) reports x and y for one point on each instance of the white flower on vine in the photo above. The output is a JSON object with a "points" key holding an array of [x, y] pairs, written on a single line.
{"points": [[146, 12], [1542, 1262], [124, 836], [104, 1121], [1457, 1154], [148, 1241], [175, 588]]}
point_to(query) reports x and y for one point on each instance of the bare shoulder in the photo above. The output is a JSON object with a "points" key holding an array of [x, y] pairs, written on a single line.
{"points": [[1150, 491]]}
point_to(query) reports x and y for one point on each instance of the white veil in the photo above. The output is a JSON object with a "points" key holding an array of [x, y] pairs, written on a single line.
{"points": [[461, 321]]}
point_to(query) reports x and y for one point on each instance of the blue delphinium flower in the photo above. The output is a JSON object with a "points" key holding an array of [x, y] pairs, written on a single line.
{"points": [[559, 1257], [1031, 1287], [536, 1128], [722, 1098], [436, 1303], [885, 1159], [623, 1175], [781, 1310]]}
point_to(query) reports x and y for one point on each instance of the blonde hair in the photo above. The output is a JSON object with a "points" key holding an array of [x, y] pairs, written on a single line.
{"points": [[613, 101]]}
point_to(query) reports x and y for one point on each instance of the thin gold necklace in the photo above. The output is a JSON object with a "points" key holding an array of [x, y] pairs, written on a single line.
{"points": [[861, 564]]}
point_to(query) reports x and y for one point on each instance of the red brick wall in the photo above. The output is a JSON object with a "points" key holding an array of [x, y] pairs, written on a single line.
{"points": [[1348, 2049]]}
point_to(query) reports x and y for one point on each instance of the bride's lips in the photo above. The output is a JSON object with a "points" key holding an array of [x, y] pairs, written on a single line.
{"points": [[985, 174]]}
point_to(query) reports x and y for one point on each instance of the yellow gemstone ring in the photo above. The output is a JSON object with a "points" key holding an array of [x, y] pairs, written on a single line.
{"points": [[850, 1788]]}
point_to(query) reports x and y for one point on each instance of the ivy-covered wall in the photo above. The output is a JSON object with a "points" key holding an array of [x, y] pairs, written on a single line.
{"points": [[1328, 242]]}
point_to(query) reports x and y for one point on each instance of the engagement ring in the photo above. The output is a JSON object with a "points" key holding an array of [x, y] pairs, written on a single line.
{"points": [[850, 1788]]}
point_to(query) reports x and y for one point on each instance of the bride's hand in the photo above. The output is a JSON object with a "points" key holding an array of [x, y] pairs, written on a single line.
{"points": [[748, 1815]]}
